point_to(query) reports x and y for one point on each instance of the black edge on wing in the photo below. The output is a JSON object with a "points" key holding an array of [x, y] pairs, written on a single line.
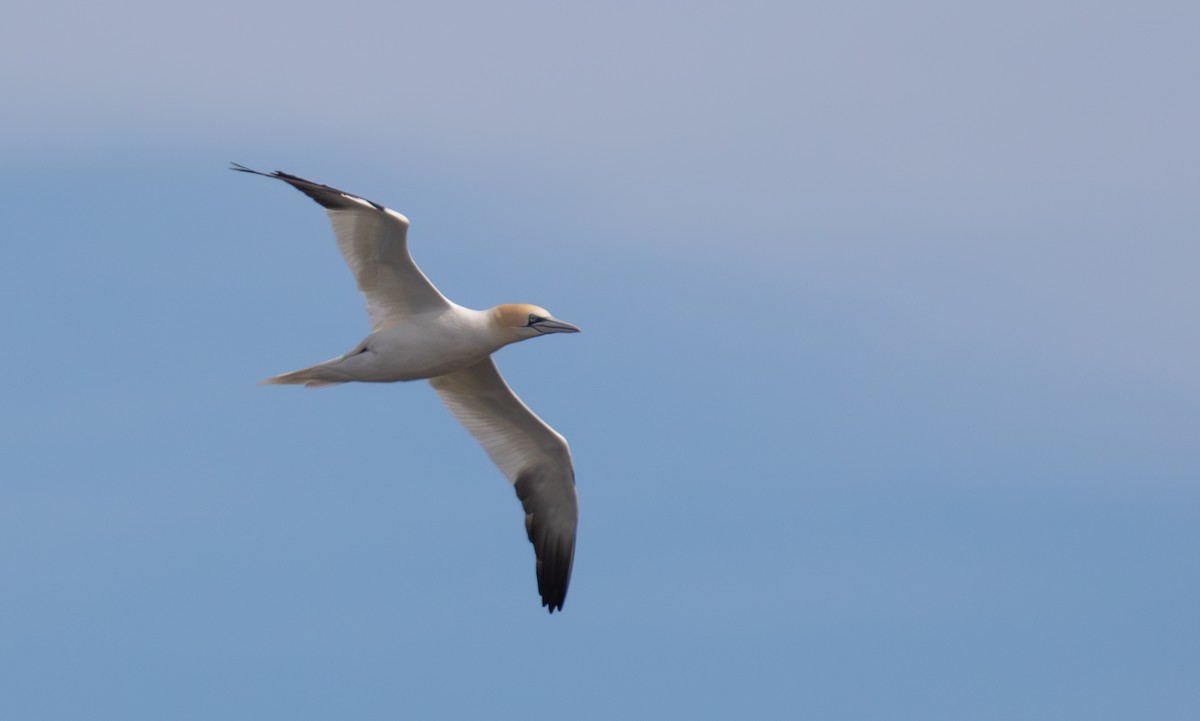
{"points": [[327, 197], [555, 550]]}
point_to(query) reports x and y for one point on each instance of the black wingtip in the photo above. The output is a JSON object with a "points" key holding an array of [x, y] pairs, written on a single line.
{"points": [[327, 197], [553, 545], [554, 563]]}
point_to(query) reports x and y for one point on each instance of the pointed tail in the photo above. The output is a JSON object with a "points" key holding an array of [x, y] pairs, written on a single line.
{"points": [[308, 377]]}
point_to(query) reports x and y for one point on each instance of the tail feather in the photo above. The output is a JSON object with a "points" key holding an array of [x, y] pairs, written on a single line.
{"points": [[308, 377]]}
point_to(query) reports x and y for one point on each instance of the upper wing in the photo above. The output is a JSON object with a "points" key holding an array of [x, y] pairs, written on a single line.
{"points": [[373, 240], [534, 458]]}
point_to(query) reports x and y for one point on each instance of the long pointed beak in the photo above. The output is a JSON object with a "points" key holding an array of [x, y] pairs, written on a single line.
{"points": [[554, 325]]}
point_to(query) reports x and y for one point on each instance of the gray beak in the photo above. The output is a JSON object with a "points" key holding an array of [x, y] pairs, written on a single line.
{"points": [[554, 325]]}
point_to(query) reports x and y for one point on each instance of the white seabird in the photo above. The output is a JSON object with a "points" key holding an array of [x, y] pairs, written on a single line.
{"points": [[417, 333]]}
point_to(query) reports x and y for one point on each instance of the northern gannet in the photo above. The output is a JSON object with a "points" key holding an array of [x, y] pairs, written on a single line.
{"points": [[417, 333]]}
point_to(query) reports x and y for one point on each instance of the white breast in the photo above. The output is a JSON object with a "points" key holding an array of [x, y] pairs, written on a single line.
{"points": [[427, 346]]}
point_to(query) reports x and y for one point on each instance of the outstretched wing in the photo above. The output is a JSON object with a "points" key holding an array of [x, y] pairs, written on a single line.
{"points": [[534, 458], [373, 240]]}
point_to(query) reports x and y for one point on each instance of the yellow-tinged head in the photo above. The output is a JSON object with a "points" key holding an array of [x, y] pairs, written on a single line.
{"points": [[528, 321]]}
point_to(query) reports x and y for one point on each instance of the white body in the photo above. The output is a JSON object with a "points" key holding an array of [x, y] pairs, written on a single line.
{"points": [[422, 347]]}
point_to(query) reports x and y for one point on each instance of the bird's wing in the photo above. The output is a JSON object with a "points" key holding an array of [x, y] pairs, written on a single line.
{"points": [[534, 458], [373, 240]]}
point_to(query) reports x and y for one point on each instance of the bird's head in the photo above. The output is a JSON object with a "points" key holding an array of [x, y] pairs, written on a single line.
{"points": [[528, 321]]}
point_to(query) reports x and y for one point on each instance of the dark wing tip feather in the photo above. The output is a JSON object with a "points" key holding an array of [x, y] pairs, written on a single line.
{"points": [[555, 551], [327, 197], [556, 573]]}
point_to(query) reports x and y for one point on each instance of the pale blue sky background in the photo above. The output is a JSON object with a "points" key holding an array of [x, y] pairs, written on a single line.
{"points": [[886, 405]]}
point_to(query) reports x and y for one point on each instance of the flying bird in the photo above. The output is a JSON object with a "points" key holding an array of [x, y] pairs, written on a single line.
{"points": [[417, 333]]}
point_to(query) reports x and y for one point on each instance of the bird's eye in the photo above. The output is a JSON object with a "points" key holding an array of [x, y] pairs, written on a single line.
{"points": [[533, 319]]}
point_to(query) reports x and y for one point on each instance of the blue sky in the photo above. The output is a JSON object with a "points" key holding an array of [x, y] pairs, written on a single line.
{"points": [[885, 406]]}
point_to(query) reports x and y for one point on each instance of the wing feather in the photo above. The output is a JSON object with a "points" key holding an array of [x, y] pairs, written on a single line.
{"points": [[534, 458], [374, 242]]}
